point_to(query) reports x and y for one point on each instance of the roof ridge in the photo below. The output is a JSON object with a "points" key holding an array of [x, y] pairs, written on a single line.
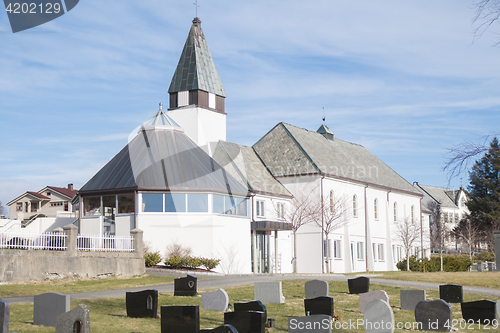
{"points": [[231, 160], [302, 148]]}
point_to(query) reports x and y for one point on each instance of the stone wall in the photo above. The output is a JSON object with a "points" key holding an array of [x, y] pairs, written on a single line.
{"points": [[37, 265]]}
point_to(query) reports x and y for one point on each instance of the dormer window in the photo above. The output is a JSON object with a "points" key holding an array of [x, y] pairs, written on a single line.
{"points": [[48, 193]]}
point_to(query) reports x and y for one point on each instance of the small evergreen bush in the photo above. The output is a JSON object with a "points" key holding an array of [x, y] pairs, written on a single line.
{"points": [[484, 256], [152, 258]]}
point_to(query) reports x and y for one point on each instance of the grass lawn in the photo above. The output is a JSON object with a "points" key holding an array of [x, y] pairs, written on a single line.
{"points": [[109, 315], [475, 279], [76, 286]]}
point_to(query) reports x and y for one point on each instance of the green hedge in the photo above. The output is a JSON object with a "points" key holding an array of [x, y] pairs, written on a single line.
{"points": [[191, 262], [450, 264]]}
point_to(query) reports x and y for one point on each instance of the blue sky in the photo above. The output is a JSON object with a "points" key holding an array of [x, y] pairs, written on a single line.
{"points": [[406, 79]]}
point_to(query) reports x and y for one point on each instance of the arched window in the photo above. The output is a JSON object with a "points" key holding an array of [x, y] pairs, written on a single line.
{"points": [[375, 208], [354, 206], [412, 213], [395, 211]]}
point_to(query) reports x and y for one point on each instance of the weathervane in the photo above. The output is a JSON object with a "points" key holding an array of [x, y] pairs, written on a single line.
{"points": [[323, 115], [196, 5]]}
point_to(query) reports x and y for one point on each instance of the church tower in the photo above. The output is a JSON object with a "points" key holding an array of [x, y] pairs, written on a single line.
{"points": [[196, 93]]}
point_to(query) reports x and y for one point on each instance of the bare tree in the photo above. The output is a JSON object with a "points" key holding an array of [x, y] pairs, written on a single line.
{"points": [[468, 233], [2, 209], [438, 230], [487, 13], [298, 214], [330, 213], [408, 231]]}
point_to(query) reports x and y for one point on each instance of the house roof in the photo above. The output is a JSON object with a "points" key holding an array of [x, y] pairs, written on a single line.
{"points": [[444, 196], [64, 191], [243, 164], [288, 150], [67, 192], [163, 159], [196, 69]]}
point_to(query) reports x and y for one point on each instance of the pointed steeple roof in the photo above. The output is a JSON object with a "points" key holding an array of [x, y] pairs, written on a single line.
{"points": [[160, 120], [196, 69]]}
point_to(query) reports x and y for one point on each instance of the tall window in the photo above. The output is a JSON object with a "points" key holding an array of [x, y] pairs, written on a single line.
{"points": [[360, 247], [375, 208], [19, 206], [337, 249], [331, 202], [280, 207], [260, 208], [380, 251], [395, 211], [374, 249], [354, 206]]}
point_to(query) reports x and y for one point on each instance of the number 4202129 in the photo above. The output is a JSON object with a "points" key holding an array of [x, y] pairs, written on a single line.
{"points": [[33, 8]]}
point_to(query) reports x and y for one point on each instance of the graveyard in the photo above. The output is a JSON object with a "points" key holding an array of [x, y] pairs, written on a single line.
{"points": [[110, 314]]}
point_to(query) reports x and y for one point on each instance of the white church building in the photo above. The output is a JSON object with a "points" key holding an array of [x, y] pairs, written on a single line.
{"points": [[180, 181]]}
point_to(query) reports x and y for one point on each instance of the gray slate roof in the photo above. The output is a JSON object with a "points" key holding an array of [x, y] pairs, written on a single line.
{"points": [[196, 69], [164, 160], [444, 196], [287, 150], [243, 164]]}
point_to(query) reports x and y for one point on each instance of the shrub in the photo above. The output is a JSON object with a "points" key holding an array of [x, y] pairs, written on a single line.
{"points": [[485, 256], [152, 258], [209, 263], [178, 250], [176, 262], [450, 264]]}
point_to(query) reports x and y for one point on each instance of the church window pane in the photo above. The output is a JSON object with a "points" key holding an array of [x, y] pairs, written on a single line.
{"points": [[175, 202], [152, 202]]}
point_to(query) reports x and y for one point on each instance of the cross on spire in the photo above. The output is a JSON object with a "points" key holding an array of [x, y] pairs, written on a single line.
{"points": [[196, 5]]}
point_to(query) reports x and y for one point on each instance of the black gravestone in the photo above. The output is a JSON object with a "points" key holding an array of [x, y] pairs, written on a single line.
{"points": [[358, 285], [251, 306], [433, 315], [142, 304], [180, 319], [246, 321], [221, 329], [319, 305], [185, 286], [451, 293], [483, 311]]}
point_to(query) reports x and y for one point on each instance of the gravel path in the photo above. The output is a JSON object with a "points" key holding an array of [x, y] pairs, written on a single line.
{"points": [[207, 282]]}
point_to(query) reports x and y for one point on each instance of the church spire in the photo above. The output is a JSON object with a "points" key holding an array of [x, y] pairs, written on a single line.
{"points": [[195, 81]]}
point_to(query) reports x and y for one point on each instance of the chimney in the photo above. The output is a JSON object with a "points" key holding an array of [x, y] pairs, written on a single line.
{"points": [[70, 186]]}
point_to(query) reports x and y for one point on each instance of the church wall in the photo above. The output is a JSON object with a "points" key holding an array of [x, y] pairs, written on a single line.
{"points": [[211, 236]]}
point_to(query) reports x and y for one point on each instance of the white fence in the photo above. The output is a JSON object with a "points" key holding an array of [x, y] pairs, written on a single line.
{"points": [[27, 241], [105, 243]]}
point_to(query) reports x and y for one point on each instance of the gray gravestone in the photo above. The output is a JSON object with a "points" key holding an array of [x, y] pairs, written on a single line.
{"points": [[215, 300], [4, 316], [378, 317], [434, 315], [76, 320], [316, 288], [497, 248], [48, 306], [315, 323], [410, 298], [367, 298], [268, 292]]}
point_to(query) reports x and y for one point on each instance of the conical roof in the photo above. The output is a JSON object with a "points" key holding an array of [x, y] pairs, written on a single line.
{"points": [[160, 120], [196, 69], [161, 157]]}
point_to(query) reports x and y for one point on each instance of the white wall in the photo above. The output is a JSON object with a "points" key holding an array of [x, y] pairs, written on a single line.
{"points": [[203, 126], [379, 230], [212, 236]]}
